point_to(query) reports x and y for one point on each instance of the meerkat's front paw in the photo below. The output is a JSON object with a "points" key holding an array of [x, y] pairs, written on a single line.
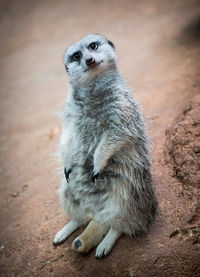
{"points": [[102, 250], [66, 231], [67, 171], [107, 243], [60, 236]]}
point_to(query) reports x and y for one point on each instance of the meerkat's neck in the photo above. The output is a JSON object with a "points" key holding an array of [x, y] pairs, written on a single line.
{"points": [[95, 87]]}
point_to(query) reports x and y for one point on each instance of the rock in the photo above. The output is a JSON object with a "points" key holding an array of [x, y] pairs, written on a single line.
{"points": [[14, 194], [183, 147], [25, 186], [196, 149]]}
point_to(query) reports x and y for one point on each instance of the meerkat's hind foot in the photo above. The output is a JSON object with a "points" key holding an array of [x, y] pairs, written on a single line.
{"points": [[90, 238], [107, 243], [66, 231]]}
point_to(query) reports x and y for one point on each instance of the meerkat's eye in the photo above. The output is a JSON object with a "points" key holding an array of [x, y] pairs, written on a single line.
{"points": [[76, 56], [93, 45]]}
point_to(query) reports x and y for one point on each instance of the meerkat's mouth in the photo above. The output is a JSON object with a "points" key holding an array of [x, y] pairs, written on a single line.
{"points": [[93, 66]]}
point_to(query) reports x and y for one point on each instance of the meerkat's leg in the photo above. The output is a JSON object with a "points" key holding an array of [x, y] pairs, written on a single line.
{"points": [[90, 238], [109, 144], [107, 243], [66, 231]]}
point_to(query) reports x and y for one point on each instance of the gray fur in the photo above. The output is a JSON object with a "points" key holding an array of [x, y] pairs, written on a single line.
{"points": [[104, 133]]}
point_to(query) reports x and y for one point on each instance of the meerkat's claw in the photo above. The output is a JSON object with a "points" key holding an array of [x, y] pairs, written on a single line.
{"points": [[67, 172], [95, 176]]}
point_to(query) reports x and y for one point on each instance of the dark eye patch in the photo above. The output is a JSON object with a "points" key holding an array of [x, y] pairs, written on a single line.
{"points": [[94, 45], [76, 56]]}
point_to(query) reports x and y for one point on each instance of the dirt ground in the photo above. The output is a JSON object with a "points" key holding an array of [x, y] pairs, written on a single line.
{"points": [[158, 44]]}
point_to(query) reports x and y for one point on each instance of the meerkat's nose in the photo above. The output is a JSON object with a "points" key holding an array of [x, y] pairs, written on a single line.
{"points": [[90, 61]]}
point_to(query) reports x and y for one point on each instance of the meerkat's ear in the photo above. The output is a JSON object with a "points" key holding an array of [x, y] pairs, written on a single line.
{"points": [[111, 44]]}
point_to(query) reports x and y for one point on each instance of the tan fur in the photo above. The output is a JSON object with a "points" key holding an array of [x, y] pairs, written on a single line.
{"points": [[90, 237]]}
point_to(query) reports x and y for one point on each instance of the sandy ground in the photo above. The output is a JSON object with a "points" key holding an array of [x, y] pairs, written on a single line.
{"points": [[158, 47]]}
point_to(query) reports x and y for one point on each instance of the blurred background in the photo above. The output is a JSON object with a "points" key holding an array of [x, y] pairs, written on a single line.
{"points": [[158, 45]]}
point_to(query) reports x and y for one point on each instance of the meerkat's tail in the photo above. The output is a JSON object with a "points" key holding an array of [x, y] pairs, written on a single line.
{"points": [[90, 237]]}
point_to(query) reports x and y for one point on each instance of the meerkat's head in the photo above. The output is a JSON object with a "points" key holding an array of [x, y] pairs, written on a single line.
{"points": [[89, 57]]}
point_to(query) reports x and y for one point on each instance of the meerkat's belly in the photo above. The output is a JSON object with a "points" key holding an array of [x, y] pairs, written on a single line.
{"points": [[83, 195], [83, 198]]}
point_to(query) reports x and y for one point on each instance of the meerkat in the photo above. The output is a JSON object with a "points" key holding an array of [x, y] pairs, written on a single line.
{"points": [[107, 183]]}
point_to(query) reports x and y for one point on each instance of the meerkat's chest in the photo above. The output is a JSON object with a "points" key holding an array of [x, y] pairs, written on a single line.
{"points": [[93, 120], [90, 129]]}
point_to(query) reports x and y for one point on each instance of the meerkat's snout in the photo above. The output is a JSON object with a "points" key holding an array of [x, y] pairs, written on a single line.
{"points": [[90, 62]]}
